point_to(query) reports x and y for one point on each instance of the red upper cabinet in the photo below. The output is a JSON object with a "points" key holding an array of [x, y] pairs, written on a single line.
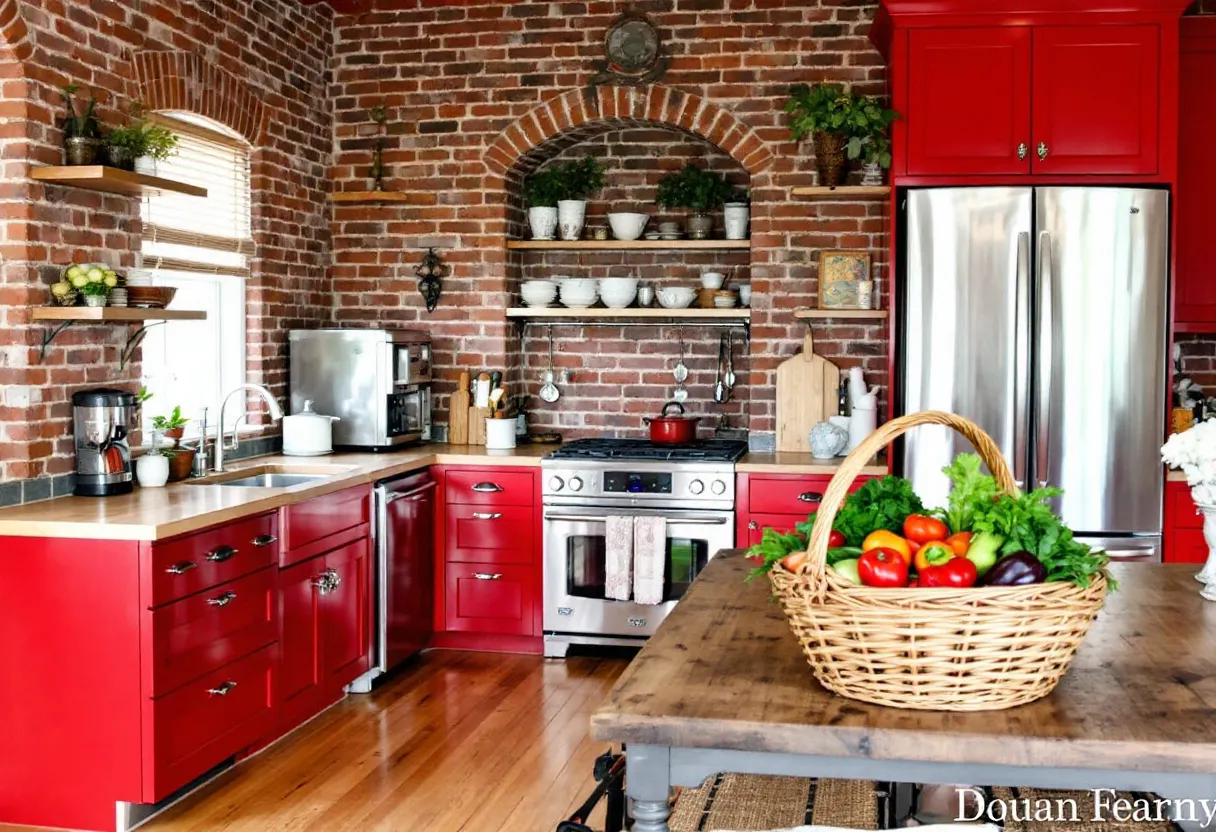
{"points": [[968, 109], [1095, 99], [1195, 280]]}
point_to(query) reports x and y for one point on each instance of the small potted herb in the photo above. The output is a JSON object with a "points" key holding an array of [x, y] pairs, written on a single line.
{"points": [[568, 185], [173, 425], [841, 124], [697, 190], [81, 130], [541, 193], [95, 294], [139, 145]]}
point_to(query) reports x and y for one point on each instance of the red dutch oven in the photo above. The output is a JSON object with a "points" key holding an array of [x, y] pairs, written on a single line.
{"points": [[672, 430]]}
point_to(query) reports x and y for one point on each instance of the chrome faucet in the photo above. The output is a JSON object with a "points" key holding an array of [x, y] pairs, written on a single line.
{"points": [[276, 413]]}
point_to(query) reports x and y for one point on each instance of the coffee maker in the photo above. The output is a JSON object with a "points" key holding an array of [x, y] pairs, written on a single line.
{"points": [[101, 420]]}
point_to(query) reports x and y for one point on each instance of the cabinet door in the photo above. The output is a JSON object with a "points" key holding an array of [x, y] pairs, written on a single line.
{"points": [[345, 622], [1195, 280], [495, 599], [757, 523], [969, 101], [1095, 97], [300, 675]]}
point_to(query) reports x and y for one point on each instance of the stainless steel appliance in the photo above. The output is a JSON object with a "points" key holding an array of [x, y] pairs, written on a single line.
{"points": [[585, 482], [101, 422], [404, 536], [376, 381], [1040, 313]]}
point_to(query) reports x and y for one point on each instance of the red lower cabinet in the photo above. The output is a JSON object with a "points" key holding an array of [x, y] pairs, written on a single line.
{"points": [[299, 642], [345, 616], [778, 501], [490, 599], [1183, 535]]}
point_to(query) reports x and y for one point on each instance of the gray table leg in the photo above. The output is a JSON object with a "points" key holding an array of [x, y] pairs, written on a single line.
{"points": [[648, 782]]}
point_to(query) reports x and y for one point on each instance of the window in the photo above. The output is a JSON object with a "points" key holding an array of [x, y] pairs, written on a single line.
{"points": [[202, 247]]}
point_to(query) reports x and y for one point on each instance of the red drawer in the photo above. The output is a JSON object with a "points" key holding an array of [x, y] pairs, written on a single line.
{"points": [[208, 720], [205, 559], [320, 517], [497, 600], [1186, 546], [790, 495], [490, 534], [490, 487], [197, 634], [757, 523], [1185, 514]]}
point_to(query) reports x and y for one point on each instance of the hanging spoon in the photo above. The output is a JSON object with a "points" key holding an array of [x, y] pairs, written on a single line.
{"points": [[548, 391], [729, 378], [681, 372]]}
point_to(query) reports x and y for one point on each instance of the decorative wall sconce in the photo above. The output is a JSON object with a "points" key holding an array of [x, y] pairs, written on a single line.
{"points": [[430, 278], [379, 115]]}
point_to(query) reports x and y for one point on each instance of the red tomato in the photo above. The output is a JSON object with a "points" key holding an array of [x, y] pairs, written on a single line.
{"points": [[835, 539], [923, 529], [883, 567]]}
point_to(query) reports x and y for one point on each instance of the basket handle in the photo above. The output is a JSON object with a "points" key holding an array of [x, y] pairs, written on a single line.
{"points": [[815, 565]]}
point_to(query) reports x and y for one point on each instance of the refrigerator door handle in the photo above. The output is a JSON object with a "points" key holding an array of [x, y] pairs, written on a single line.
{"points": [[1044, 324], [1021, 341]]}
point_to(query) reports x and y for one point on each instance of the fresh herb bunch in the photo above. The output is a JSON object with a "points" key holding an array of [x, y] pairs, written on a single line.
{"points": [[97, 288], [570, 180], [971, 490], [696, 189], [830, 108], [173, 421]]}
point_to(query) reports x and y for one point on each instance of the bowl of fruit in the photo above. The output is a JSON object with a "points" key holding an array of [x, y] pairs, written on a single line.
{"points": [[977, 605], [92, 281]]}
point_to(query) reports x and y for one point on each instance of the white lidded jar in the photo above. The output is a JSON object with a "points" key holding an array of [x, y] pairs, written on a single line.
{"points": [[308, 433], [152, 470]]}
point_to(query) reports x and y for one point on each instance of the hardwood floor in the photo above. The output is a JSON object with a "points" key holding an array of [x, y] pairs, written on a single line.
{"points": [[457, 741]]}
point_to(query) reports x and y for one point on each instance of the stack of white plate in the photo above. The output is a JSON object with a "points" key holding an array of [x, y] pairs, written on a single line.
{"points": [[118, 297], [618, 292], [538, 292], [578, 292]]}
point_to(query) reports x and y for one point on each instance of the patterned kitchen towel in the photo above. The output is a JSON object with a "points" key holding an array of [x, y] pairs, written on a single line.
{"points": [[618, 557], [649, 559]]}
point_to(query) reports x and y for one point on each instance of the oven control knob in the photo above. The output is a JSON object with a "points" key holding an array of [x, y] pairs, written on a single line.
{"points": [[696, 487], [576, 484], [718, 487], [556, 484]]}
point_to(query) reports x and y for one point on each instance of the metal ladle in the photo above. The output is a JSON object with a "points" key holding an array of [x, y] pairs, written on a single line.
{"points": [[548, 391], [681, 373]]}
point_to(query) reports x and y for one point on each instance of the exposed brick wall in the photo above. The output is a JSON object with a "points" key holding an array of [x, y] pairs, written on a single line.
{"points": [[260, 67], [481, 93], [1199, 360]]}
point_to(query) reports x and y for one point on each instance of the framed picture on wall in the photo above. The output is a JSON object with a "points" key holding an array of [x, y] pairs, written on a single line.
{"points": [[844, 280]]}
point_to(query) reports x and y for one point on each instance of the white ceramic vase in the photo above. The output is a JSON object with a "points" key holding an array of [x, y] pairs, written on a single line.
{"points": [[871, 174], [1207, 575], [94, 300], [571, 215], [147, 165], [543, 221], [736, 216], [152, 470]]}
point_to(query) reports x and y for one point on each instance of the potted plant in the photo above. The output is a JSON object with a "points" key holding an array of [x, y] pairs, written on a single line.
{"points": [[697, 190], [173, 425], [140, 140], [541, 193], [159, 144], [574, 182], [81, 131], [95, 294], [842, 124], [181, 461]]}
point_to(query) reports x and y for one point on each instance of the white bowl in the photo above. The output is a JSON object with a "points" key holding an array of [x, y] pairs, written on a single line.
{"points": [[587, 284], [676, 297], [538, 291], [712, 280], [618, 284], [618, 300], [538, 285], [626, 226]]}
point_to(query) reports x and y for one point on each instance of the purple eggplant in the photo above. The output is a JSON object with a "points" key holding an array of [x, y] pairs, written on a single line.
{"points": [[1017, 569]]}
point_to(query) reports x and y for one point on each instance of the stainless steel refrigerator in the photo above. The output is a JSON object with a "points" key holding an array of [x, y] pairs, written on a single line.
{"points": [[1040, 314]]}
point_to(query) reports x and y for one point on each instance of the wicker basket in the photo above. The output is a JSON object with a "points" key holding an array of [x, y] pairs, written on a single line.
{"points": [[973, 649]]}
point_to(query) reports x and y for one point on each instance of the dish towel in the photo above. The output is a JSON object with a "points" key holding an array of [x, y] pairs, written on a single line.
{"points": [[649, 559], [618, 558]]}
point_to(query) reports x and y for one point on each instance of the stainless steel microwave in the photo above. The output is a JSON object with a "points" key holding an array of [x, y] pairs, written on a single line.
{"points": [[376, 381]]}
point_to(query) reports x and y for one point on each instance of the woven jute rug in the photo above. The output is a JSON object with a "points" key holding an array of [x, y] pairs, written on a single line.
{"points": [[746, 802]]}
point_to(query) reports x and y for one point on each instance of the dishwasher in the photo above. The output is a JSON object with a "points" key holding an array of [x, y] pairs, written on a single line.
{"points": [[404, 538]]}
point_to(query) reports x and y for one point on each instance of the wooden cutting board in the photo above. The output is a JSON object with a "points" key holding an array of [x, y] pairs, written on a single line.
{"points": [[808, 392], [458, 413]]}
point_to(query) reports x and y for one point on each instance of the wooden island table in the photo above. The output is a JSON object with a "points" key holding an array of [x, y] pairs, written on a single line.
{"points": [[723, 687]]}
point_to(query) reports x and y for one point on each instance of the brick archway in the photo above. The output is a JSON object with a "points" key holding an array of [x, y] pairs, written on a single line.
{"points": [[173, 80], [574, 116], [13, 31]]}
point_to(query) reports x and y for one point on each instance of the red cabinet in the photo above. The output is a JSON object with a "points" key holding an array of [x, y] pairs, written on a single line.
{"points": [[778, 501], [1095, 99], [300, 677], [1195, 260], [1183, 532], [490, 534], [989, 70], [345, 615], [484, 599]]}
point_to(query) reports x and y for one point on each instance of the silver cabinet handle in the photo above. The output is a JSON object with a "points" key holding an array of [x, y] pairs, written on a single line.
{"points": [[752, 525], [222, 690], [1019, 340], [487, 515], [222, 553], [811, 496], [487, 487], [182, 568], [222, 600], [677, 521], [487, 576], [265, 540], [327, 582], [1023, 150], [1042, 151]]}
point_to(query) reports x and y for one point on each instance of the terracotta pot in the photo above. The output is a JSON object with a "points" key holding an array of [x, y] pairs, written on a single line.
{"points": [[830, 158], [175, 433], [180, 464], [673, 430]]}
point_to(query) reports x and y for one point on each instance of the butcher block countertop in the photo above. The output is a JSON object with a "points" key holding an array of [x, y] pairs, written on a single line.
{"points": [[787, 462], [158, 513], [724, 672]]}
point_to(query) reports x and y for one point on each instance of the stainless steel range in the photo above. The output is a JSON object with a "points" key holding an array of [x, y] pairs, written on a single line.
{"points": [[691, 486]]}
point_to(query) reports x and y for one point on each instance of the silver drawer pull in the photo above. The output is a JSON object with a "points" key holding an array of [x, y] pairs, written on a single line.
{"points": [[487, 576], [182, 568], [811, 496], [222, 690], [327, 581], [222, 553], [222, 600], [487, 515], [488, 487], [264, 540]]}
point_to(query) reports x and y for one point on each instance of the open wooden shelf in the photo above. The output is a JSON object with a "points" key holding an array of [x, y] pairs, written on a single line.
{"points": [[846, 192], [633, 313], [111, 180], [368, 196], [114, 313], [629, 245], [845, 314]]}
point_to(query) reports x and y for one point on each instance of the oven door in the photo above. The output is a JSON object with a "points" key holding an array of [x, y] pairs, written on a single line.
{"points": [[575, 553]]}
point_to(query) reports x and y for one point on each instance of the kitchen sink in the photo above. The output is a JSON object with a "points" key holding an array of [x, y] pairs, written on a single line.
{"points": [[273, 480], [273, 476]]}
